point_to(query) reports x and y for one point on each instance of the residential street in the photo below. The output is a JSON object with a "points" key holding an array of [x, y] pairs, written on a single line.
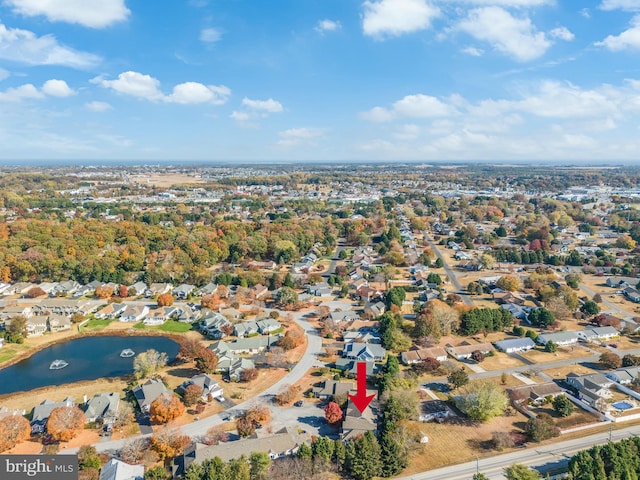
{"points": [[451, 274]]}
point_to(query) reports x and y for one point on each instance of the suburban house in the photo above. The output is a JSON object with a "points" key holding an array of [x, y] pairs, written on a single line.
{"points": [[329, 389], [103, 407], [15, 310], [209, 289], [110, 311], [268, 325], [559, 338], [210, 388], [181, 292], [368, 352], [375, 309], [622, 282], [464, 351], [66, 288], [213, 324], [116, 469], [513, 345], [624, 375], [158, 289], [350, 367], [416, 356], [63, 307], [259, 291], [321, 289], [42, 411], [253, 344], [139, 288], [281, 444], [228, 361], [537, 394], [245, 329], [632, 294], [517, 311], [595, 334], [436, 410], [356, 423], [502, 298], [593, 388], [344, 316], [134, 313], [362, 335], [157, 316], [146, 393], [58, 323], [36, 326]]}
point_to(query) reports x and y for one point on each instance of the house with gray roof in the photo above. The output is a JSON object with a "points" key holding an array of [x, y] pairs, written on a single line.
{"points": [[268, 325], [624, 375], [102, 407], [512, 345], [146, 393], [58, 323], [559, 338], [362, 335], [331, 388], [245, 329], [416, 356], [367, 352], [208, 385], [139, 287], [116, 469], [592, 388], [594, 334], [182, 291], [134, 313], [254, 344], [464, 351], [42, 411], [356, 423], [212, 325], [539, 392]]}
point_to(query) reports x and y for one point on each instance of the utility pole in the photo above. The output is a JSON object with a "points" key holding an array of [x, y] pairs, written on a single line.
{"points": [[477, 465], [610, 429]]}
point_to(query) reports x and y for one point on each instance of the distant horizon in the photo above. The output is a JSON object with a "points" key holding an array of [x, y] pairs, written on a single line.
{"points": [[427, 81]]}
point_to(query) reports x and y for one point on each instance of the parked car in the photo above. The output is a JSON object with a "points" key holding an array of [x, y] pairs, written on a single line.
{"points": [[299, 403], [221, 399]]}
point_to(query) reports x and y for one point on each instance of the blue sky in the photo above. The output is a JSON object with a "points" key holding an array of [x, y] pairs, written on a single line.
{"points": [[336, 80]]}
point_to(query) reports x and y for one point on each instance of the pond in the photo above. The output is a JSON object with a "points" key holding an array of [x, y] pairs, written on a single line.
{"points": [[88, 358]]}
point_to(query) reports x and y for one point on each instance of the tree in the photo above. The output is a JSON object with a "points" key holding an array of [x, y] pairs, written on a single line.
{"points": [[156, 473], [192, 395], [477, 356], [610, 361], [258, 465], [103, 292], [551, 347], [541, 317], [481, 476], [35, 292], [16, 330], [520, 472], [13, 430], [276, 357], [65, 423], [541, 428], [563, 406], [248, 374], [487, 261], [190, 348], [631, 360], [166, 408], [123, 291], [215, 435], [168, 443], [363, 457], [207, 361], [88, 458], [573, 280], [590, 308], [292, 339], [211, 302], [148, 363], [434, 278], [458, 378], [439, 263], [395, 296], [133, 452], [287, 395], [482, 401], [286, 296], [333, 413], [165, 300], [509, 283]]}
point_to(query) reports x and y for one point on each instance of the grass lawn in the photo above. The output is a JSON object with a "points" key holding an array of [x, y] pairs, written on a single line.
{"points": [[172, 326], [96, 324], [10, 350]]}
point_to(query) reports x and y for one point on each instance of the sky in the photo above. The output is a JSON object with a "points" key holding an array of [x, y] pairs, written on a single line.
{"points": [[320, 80]]}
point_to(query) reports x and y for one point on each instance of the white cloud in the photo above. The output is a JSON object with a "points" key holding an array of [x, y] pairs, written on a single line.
{"points": [[511, 3], [473, 51], [630, 5], [16, 94], [210, 35], [585, 13], [629, 39], [516, 37], [96, 106], [397, 17], [193, 92], [4, 74], [327, 25], [562, 33], [90, 13], [407, 132], [411, 106], [145, 86], [298, 136], [134, 84], [24, 46], [270, 105], [241, 117], [57, 88]]}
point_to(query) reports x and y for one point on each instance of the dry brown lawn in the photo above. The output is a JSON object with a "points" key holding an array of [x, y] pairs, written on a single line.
{"points": [[459, 441], [565, 353], [562, 372], [500, 361]]}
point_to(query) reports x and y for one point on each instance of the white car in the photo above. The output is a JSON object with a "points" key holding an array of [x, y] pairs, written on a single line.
{"points": [[221, 399]]}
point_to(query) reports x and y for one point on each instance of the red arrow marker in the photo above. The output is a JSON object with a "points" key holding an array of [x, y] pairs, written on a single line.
{"points": [[360, 399]]}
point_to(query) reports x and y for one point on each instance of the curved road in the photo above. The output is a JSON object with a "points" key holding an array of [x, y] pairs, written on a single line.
{"points": [[200, 427]]}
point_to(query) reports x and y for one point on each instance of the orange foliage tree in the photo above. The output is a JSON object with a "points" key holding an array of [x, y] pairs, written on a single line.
{"points": [[168, 444], [13, 430], [104, 292], [166, 408], [212, 302], [207, 361], [333, 413], [65, 423], [191, 395], [165, 300], [291, 339], [190, 348]]}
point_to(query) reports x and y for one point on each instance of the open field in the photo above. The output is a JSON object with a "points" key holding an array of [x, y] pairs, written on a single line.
{"points": [[500, 361], [561, 372], [165, 180], [564, 353]]}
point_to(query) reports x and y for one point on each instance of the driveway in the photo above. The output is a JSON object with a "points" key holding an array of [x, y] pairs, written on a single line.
{"points": [[451, 274]]}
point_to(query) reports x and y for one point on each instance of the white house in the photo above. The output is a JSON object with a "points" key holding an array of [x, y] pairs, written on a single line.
{"points": [[513, 345], [559, 338]]}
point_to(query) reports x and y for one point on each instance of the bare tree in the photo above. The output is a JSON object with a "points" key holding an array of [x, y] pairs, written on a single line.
{"points": [[277, 357], [134, 451], [147, 363]]}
